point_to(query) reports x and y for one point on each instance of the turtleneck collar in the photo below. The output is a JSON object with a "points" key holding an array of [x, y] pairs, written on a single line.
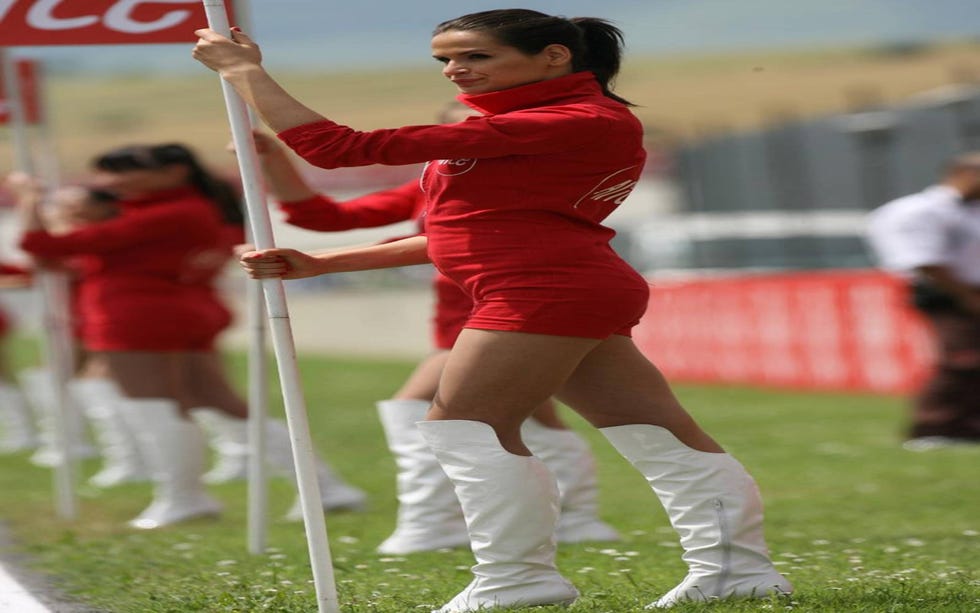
{"points": [[549, 91]]}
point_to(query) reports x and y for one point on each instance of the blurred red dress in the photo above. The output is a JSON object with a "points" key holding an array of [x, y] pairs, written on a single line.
{"points": [[136, 296], [453, 305]]}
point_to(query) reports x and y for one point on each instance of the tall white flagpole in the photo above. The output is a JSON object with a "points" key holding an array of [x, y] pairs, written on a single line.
{"points": [[282, 339], [55, 329]]}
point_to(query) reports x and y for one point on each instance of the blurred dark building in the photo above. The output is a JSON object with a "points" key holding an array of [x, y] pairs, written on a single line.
{"points": [[794, 195]]}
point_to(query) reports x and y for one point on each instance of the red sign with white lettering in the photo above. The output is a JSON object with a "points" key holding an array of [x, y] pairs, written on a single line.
{"points": [[30, 94], [100, 22]]}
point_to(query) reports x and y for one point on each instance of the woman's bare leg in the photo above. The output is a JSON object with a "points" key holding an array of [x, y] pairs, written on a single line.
{"points": [[713, 503], [615, 385], [422, 383], [206, 384], [500, 378], [145, 374], [491, 384], [424, 380]]}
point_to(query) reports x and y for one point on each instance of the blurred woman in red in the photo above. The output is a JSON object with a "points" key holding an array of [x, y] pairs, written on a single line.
{"points": [[145, 314]]}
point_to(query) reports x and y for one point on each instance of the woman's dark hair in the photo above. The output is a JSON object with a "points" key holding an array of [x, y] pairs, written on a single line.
{"points": [[152, 157], [596, 44]]}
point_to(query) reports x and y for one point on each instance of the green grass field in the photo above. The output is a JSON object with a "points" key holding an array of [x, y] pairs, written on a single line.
{"points": [[857, 523]]}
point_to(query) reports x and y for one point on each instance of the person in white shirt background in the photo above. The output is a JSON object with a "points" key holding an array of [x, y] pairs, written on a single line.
{"points": [[932, 238]]}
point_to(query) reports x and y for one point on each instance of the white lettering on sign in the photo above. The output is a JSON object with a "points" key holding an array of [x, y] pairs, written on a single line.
{"points": [[118, 18], [5, 6], [40, 17]]}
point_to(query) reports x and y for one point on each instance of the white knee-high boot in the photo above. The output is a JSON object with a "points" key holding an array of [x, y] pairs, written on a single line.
{"points": [[40, 388], [228, 439], [429, 515], [511, 507], [335, 493], [570, 459], [715, 507], [16, 421], [122, 461], [175, 450]]}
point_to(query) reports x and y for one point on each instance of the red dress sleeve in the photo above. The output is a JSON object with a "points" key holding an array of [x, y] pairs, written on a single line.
{"points": [[134, 228], [528, 132], [382, 208]]}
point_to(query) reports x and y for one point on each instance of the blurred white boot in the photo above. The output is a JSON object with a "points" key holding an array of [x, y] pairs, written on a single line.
{"points": [[570, 459], [16, 421], [335, 493], [175, 450], [429, 515], [511, 507], [715, 507], [40, 388], [122, 461], [228, 439]]}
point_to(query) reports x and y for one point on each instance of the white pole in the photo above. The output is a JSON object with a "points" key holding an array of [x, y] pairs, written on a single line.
{"points": [[24, 160], [258, 387], [57, 303], [282, 338], [53, 326], [258, 394]]}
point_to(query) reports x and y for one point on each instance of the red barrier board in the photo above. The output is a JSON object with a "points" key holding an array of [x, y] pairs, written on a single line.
{"points": [[29, 79], [100, 22], [835, 330]]}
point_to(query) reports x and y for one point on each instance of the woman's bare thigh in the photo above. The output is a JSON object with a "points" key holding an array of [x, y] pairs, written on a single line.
{"points": [[204, 381], [144, 374], [616, 385], [422, 383], [500, 378]]}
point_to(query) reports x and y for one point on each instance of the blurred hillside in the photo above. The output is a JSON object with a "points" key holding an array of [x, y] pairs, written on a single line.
{"points": [[678, 98]]}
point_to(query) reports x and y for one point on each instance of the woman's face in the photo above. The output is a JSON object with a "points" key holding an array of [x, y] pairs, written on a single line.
{"points": [[141, 182], [73, 206], [477, 63]]}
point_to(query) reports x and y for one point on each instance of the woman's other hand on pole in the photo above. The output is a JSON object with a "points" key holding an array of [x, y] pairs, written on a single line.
{"points": [[280, 263]]}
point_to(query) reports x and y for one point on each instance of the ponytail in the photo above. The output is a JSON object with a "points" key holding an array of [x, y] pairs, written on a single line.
{"points": [[603, 53]]}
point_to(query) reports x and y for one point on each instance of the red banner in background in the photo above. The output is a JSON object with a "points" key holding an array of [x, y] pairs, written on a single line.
{"points": [[835, 330], [100, 22], [30, 92]]}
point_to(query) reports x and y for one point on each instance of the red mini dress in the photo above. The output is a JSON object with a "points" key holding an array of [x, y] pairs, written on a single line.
{"points": [[135, 297], [402, 203], [515, 201]]}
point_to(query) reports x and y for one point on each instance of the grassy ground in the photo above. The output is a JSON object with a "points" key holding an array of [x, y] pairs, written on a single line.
{"points": [[681, 96], [857, 523]]}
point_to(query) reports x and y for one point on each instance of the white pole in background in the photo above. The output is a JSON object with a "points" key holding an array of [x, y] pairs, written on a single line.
{"points": [[282, 339], [54, 320], [258, 394], [258, 383]]}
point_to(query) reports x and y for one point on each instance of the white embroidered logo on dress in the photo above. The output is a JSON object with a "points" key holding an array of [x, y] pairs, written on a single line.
{"points": [[613, 189], [451, 168]]}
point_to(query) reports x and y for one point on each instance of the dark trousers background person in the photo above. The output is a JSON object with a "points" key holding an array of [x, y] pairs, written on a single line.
{"points": [[947, 409]]}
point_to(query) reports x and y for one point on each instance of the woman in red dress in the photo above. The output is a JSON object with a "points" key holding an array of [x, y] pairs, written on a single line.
{"points": [[429, 516], [145, 315], [515, 200]]}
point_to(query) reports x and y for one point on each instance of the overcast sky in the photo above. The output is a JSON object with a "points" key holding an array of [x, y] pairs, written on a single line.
{"points": [[333, 36]]}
